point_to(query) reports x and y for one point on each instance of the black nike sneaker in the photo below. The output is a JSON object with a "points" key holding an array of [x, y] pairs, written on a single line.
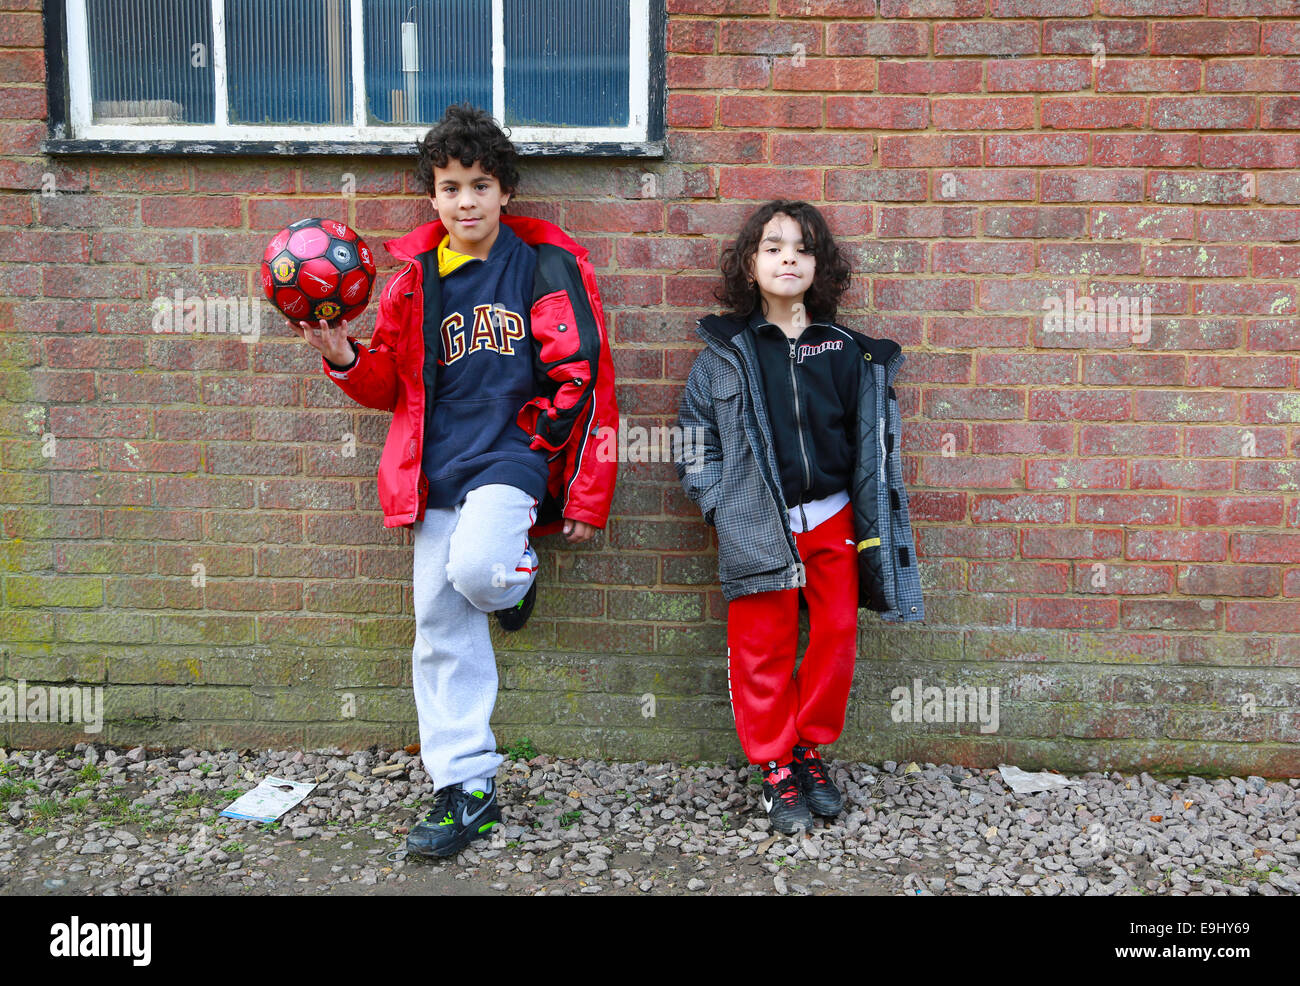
{"points": [[456, 818], [783, 800], [822, 796], [517, 615]]}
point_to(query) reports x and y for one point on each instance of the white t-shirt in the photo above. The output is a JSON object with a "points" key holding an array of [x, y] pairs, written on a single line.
{"points": [[818, 511]]}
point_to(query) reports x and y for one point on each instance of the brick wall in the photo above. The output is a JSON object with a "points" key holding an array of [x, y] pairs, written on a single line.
{"points": [[1109, 529]]}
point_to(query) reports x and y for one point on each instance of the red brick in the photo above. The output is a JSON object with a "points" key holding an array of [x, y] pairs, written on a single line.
{"points": [[1149, 75], [876, 39], [1253, 74], [718, 72], [1080, 185], [1085, 258], [1087, 112], [1079, 405], [1065, 474], [1109, 579], [1082, 37], [1068, 613], [691, 110], [1145, 150], [1250, 151], [1019, 508], [770, 111], [1279, 112], [1181, 405], [961, 471], [982, 258], [1034, 222], [877, 113], [1195, 261], [189, 212], [929, 222], [1036, 149], [1280, 39], [1177, 546], [932, 8], [22, 66], [1192, 474], [718, 148], [1038, 75], [986, 39], [1171, 614], [23, 103], [972, 542], [1228, 580], [1204, 37], [883, 185], [694, 36], [1203, 112], [823, 149], [1070, 543], [1266, 548], [826, 8], [984, 113], [1276, 261], [929, 76], [769, 37], [929, 151], [925, 295], [1261, 617], [1018, 577]]}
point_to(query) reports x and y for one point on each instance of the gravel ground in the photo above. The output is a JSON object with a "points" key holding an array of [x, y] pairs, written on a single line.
{"points": [[105, 821]]}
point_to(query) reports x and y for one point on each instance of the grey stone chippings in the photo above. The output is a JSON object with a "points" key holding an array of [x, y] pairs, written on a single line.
{"points": [[110, 821]]}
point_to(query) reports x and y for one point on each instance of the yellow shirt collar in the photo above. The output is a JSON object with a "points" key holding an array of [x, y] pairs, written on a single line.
{"points": [[449, 259]]}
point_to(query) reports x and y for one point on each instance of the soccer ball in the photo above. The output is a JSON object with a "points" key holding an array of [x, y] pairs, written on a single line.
{"points": [[318, 269]]}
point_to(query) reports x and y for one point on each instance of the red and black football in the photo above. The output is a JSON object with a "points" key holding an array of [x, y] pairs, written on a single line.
{"points": [[318, 269]]}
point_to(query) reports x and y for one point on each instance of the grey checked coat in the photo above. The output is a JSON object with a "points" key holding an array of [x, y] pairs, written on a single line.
{"points": [[726, 464]]}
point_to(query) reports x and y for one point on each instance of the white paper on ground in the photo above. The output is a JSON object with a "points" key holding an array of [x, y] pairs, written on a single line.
{"points": [[1023, 782], [269, 800]]}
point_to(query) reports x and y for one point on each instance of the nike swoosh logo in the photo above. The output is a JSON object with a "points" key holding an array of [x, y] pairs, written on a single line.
{"points": [[466, 818]]}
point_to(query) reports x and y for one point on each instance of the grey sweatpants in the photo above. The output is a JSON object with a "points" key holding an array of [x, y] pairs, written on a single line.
{"points": [[470, 559]]}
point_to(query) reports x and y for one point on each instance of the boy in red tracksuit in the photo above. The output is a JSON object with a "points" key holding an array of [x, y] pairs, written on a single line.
{"points": [[490, 350]]}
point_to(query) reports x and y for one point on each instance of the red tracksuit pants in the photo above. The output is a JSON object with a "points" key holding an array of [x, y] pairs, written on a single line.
{"points": [[776, 709]]}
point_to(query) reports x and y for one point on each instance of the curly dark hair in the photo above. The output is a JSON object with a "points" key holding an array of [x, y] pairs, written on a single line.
{"points": [[467, 134], [830, 278]]}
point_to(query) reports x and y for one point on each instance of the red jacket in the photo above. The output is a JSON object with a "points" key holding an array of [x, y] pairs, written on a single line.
{"points": [[567, 417]]}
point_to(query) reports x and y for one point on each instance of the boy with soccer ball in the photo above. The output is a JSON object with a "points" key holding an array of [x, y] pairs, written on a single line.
{"points": [[490, 350]]}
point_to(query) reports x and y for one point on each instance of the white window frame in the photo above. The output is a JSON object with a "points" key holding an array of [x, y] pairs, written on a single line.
{"points": [[79, 102]]}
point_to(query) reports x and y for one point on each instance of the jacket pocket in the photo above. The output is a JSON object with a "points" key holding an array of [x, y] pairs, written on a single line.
{"points": [[555, 326]]}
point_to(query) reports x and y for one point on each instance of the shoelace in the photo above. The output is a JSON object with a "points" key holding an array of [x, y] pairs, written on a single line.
{"points": [[784, 788], [440, 810], [814, 767]]}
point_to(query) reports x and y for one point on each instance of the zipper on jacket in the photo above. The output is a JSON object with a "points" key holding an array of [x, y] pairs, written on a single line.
{"points": [[798, 424]]}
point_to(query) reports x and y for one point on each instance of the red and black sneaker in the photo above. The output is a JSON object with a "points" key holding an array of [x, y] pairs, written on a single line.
{"points": [[783, 799], [822, 796]]}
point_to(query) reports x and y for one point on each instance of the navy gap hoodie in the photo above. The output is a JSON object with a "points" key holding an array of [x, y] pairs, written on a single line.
{"points": [[484, 377]]}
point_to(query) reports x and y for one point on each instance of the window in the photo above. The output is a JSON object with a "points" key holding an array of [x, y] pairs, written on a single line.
{"points": [[332, 76]]}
